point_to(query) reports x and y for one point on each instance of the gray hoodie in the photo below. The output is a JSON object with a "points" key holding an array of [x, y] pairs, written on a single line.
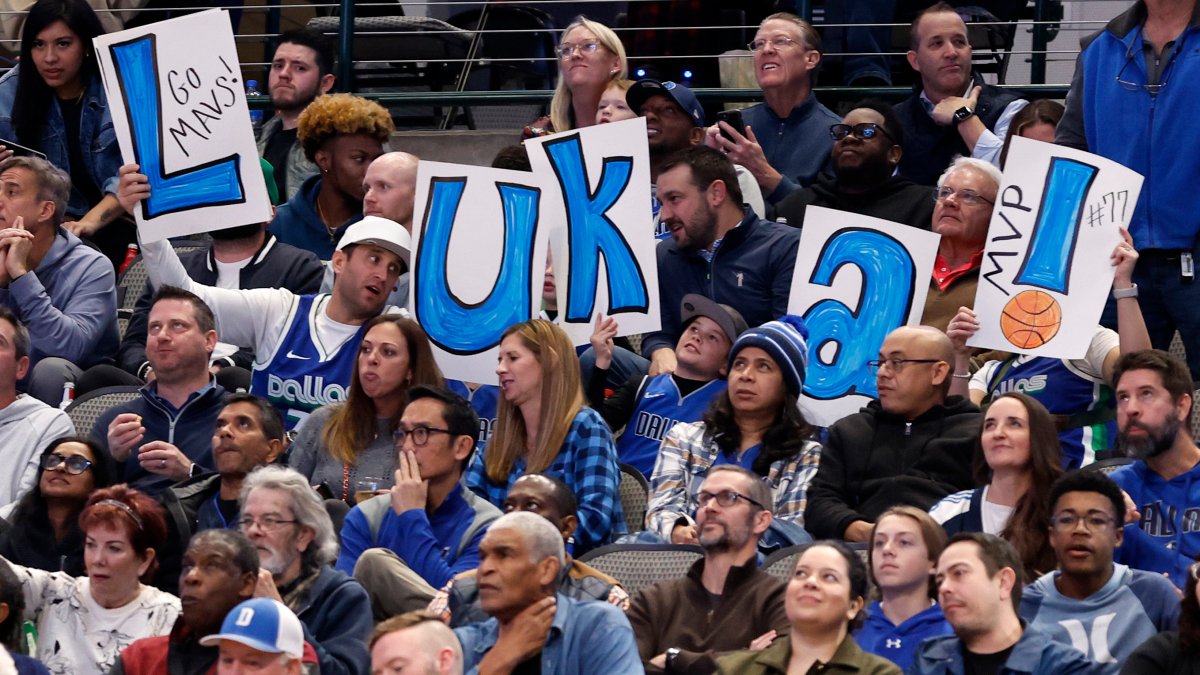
{"points": [[26, 427]]}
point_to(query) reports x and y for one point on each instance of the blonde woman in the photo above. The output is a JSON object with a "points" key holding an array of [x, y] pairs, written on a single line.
{"points": [[543, 426], [590, 57]]}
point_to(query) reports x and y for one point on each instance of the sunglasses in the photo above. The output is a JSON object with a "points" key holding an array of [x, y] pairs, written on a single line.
{"points": [[866, 131]]}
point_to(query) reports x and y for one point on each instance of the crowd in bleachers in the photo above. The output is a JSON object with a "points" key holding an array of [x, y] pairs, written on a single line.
{"points": [[265, 469]]}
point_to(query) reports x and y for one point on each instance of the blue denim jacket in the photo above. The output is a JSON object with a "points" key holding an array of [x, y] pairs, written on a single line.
{"points": [[585, 637], [99, 140]]}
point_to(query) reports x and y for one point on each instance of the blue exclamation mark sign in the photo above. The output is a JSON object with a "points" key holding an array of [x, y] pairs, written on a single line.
{"points": [[1055, 232]]}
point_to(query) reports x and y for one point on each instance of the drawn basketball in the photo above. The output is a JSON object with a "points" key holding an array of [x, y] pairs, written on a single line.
{"points": [[1031, 319]]}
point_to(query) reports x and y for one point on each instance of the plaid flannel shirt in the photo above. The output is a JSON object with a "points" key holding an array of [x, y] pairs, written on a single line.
{"points": [[687, 453], [587, 463]]}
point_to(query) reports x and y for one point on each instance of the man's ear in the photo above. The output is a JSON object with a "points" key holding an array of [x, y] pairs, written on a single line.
{"points": [[22, 369], [894, 154], [940, 370], [326, 83], [249, 583], [322, 159], [463, 445], [717, 193], [569, 524], [912, 60], [338, 262], [696, 137], [762, 521], [547, 571], [274, 448], [812, 59]]}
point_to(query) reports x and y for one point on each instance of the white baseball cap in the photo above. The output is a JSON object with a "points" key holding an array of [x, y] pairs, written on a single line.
{"points": [[381, 232]]}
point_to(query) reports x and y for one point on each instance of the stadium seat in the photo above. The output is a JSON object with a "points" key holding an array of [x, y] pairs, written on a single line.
{"points": [[635, 495], [1109, 465], [85, 410], [637, 566]]}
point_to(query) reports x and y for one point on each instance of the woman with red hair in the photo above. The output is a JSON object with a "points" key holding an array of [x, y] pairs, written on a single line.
{"points": [[83, 623]]}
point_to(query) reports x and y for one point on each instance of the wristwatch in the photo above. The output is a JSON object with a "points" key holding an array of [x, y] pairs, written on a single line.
{"points": [[1130, 292], [963, 114], [671, 654]]}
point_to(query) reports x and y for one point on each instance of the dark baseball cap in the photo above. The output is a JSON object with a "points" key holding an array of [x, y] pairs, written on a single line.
{"points": [[642, 90], [729, 319]]}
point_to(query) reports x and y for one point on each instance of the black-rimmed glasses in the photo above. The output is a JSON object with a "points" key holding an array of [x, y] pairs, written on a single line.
{"points": [[725, 498], [420, 435]]}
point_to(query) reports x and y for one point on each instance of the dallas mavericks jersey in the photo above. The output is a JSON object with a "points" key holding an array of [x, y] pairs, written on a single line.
{"points": [[659, 408], [484, 399], [1064, 390], [300, 376]]}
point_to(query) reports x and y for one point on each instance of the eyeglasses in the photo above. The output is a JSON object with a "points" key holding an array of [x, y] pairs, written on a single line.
{"points": [[420, 435], [968, 197], [74, 465], [1092, 522], [896, 364], [266, 523], [568, 48], [1152, 89], [865, 131], [778, 43], [725, 498]]}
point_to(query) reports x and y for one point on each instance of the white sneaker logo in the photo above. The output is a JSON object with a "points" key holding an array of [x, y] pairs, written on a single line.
{"points": [[293, 355]]}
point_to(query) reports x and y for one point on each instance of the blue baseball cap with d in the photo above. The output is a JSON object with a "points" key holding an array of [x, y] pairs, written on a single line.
{"points": [[642, 90], [263, 624]]}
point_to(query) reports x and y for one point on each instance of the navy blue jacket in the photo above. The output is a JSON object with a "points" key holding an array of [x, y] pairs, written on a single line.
{"points": [[336, 615], [297, 222], [750, 271], [191, 431]]}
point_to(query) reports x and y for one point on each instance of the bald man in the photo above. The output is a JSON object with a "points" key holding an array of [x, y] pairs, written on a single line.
{"points": [[913, 445], [391, 186]]}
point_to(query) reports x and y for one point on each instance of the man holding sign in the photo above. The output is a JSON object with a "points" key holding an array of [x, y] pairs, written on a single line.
{"points": [[297, 370], [717, 249]]}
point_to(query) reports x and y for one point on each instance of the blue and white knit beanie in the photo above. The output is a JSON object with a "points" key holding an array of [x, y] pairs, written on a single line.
{"points": [[786, 340]]}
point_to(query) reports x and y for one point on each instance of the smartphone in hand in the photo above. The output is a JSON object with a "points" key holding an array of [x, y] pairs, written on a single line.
{"points": [[734, 119]]}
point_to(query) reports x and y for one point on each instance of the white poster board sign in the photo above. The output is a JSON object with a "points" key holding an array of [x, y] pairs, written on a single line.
{"points": [[178, 106], [1046, 272], [856, 279], [480, 245], [596, 193]]}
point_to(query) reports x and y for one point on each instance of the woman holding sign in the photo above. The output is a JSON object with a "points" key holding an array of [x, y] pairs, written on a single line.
{"points": [[756, 424], [543, 426], [53, 103]]}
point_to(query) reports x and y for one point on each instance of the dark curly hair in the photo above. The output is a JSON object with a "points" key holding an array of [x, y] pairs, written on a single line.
{"points": [[783, 439]]}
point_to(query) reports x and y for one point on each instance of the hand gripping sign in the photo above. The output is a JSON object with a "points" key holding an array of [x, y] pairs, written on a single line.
{"points": [[482, 235], [1046, 272], [178, 105], [856, 279]]}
